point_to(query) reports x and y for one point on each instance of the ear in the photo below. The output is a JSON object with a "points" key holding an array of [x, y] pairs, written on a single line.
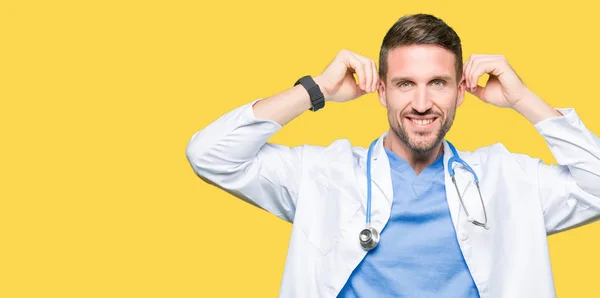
{"points": [[462, 85], [381, 93]]}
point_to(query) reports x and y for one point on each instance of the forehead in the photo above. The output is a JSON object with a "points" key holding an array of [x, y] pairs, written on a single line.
{"points": [[420, 61]]}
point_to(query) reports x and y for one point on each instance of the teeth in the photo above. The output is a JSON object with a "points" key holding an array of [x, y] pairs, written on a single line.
{"points": [[422, 122]]}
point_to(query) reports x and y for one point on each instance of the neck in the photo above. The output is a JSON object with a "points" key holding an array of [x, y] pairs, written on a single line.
{"points": [[418, 161]]}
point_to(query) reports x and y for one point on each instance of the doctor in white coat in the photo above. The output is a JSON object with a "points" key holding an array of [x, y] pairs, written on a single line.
{"points": [[485, 236]]}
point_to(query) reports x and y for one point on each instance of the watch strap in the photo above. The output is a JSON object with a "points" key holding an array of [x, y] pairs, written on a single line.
{"points": [[314, 91]]}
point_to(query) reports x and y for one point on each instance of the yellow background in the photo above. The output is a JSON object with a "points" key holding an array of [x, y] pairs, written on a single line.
{"points": [[99, 100]]}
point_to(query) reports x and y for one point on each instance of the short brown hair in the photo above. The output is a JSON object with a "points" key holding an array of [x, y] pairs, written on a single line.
{"points": [[420, 29]]}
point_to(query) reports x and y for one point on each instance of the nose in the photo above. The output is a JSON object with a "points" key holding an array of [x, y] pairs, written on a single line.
{"points": [[421, 101]]}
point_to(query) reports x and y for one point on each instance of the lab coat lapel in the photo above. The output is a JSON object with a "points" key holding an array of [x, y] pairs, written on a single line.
{"points": [[382, 190], [466, 187]]}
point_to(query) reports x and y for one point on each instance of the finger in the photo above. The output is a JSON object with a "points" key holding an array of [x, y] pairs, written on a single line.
{"points": [[358, 68], [471, 62], [474, 65], [481, 68], [468, 65], [466, 70], [368, 72], [371, 72], [475, 72], [375, 76], [479, 91]]}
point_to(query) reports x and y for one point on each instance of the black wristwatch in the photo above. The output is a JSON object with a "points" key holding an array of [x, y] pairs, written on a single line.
{"points": [[316, 96]]}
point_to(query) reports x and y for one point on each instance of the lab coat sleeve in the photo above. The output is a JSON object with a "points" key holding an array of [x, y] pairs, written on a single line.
{"points": [[232, 153], [569, 191]]}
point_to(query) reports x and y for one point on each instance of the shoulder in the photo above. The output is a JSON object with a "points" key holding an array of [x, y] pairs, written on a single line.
{"points": [[483, 153], [335, 151], [498, 155]]}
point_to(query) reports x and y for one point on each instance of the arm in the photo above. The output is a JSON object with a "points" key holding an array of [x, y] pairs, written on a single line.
{"points": [[232, 152], [569, 192]]}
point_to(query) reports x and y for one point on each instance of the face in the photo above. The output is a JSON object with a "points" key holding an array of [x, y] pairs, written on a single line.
{"points": [[421, 93]]}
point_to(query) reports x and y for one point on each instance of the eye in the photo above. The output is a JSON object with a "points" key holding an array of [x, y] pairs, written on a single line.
{"points": [[439, 83], [404, 84]]}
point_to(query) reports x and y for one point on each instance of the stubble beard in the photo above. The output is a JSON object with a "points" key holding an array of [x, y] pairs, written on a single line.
{"points": [[421, 147]]}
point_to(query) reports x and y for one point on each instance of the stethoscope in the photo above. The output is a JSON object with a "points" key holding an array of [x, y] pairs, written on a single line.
{"points": [[369, 237]]}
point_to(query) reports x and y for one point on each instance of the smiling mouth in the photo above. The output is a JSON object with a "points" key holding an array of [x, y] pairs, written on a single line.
{"points": [[422, 121], [425, 123]]}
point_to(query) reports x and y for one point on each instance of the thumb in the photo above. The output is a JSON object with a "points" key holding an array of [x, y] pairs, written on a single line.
{"points": [[360, 92], [479, 91]]}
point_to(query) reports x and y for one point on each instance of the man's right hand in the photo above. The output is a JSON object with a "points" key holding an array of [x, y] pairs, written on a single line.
{"points": [[337, 81]]}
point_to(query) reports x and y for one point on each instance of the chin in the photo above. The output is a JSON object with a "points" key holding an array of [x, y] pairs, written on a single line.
{"points": [[422, 146], [421, 138], [419, 142]]}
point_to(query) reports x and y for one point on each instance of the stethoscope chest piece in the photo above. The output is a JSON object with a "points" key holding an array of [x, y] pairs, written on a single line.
{"points": [[369, 238]]}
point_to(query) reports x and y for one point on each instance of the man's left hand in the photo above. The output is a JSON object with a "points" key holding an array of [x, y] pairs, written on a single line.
{"points": [[503, 89]]}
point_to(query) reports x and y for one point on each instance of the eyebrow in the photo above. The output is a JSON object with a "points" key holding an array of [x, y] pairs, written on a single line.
{"points": [[439, 77]]}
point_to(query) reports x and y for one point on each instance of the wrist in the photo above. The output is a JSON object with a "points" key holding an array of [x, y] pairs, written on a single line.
{"points": [[322, 82], [534, 108]]}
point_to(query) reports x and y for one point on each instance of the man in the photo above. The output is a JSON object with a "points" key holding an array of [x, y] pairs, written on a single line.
{"points": [[436, 238]]}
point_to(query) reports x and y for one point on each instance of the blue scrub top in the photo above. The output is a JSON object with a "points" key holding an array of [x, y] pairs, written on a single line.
{"points": [[418, 254]]}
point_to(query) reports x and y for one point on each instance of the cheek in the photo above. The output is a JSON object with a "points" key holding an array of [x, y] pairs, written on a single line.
{"points": [[397, 111], [445, 101], [397, 101]]}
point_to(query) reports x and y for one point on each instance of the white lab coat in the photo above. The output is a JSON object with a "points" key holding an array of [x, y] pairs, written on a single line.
{"points": [[322, 191]]}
